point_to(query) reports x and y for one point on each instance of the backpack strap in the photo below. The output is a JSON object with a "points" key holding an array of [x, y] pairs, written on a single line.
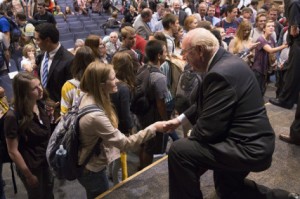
{"points": [[83, 111]]}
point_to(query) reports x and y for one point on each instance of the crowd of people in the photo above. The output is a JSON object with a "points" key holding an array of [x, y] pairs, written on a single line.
{"points": [[234, 48]]}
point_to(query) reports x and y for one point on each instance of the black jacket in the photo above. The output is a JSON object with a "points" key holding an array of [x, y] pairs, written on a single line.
{"points": [[59, 72]]}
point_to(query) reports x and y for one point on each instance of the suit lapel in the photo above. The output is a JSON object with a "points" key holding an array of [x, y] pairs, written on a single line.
{"points": [[55, 61]]}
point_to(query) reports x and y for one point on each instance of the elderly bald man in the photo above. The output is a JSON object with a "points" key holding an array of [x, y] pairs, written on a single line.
{"points": [[232, 134]]}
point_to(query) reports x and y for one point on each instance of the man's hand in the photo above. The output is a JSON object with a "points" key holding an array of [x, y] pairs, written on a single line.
{"points": [[158, 126], [294, 31], [172, 124]]}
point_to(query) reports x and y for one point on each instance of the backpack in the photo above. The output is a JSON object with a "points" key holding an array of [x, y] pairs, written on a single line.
{"points": [[189, 82], [65, 138], [176, 68], [142, 99], [15, 32]]}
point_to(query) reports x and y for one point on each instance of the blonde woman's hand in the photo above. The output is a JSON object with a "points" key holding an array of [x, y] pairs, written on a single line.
{"points": [[253, 45]]}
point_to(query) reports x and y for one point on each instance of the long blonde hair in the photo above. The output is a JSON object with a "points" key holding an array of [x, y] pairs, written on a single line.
{"points": [[239, 37], [94, 77]]}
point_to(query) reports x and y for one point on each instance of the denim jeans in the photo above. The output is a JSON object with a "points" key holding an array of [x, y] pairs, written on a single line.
{"points": [[94, 183], [170, 108]]}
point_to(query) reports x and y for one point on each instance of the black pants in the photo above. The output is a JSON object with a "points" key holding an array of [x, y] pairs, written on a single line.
{"points": [[291, 87], [44, 190], [295, 127], [189, 159]]}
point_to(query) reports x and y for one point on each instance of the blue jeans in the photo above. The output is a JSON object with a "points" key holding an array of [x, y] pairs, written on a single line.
{"points": [[95, 183], [170, 108]]}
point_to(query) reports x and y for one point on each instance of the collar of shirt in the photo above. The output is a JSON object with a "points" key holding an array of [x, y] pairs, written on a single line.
{"points": [[53, 52], [51, 56], [209, 63]]}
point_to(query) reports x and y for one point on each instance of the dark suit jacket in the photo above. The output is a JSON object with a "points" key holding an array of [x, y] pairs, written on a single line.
{"points": [[230, 115], [59, 72], [210, 19], [182, 15]]}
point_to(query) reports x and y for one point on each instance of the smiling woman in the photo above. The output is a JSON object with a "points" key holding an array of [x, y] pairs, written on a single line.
{"points": [[99, 80]]}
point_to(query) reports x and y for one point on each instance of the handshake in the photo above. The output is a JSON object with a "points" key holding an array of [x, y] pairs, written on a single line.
{"points": [[165, 126]]}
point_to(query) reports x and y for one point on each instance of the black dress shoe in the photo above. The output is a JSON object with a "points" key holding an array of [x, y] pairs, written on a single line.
{"points": [[282, 104], [294, 196], [288, 139]]}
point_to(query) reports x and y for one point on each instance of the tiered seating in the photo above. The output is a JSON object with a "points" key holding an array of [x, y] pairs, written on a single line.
{"points": [[79, 27]]}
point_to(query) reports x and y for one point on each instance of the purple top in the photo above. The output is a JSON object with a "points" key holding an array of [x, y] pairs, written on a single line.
{"points": [[261, 58]]}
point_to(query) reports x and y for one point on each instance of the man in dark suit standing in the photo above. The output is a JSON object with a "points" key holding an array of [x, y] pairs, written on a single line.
{"points": [[178, 12], [291, 88], [232, 134], [55, 64]]}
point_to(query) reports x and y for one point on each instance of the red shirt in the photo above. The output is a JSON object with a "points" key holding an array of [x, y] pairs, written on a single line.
{"points": [[140, 44]]}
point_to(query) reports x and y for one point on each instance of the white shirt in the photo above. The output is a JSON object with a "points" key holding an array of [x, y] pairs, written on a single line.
{"points": [[51, 56], [155, 18]]}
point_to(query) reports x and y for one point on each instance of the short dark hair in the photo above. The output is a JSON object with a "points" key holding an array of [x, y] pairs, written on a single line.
{"points": [[254, 2], [153, 49], [21, 16], [230, 8], [168, 19], [146, 12], [41, 3], [48, 30], [143, 5]]}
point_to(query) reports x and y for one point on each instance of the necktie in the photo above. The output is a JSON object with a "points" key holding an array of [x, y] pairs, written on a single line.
{"points": [[116, 47], [45, 71]]}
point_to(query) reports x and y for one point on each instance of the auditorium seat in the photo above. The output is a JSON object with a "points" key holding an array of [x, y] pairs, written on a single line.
{"points": [[68, 44], [81, 35], [66, 36]]}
